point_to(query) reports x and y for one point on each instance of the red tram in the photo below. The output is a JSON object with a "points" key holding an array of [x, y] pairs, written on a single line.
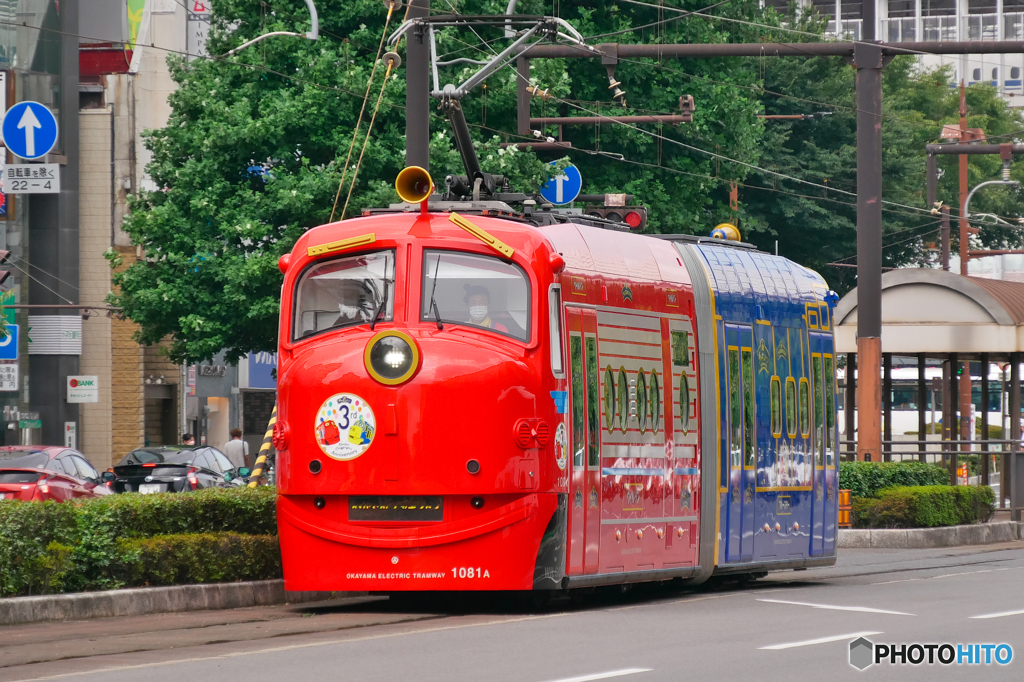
{"points": [[476, 398]]}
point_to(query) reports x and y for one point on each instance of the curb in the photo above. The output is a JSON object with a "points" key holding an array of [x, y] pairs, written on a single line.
{"points": [[140, 601], [927, 538]]}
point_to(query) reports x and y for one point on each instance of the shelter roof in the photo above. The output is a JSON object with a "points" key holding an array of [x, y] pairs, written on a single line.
{"points": [[939, 312]]}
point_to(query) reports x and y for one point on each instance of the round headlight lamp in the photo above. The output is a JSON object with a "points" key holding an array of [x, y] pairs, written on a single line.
{"points": [[391, 357]]}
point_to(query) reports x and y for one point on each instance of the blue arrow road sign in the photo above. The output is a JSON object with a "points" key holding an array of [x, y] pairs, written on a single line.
{"points": [[9, 345], [30, 130], [563, 188]]}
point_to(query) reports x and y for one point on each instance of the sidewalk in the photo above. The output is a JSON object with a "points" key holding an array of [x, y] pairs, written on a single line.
{"points": [[996, 530]]}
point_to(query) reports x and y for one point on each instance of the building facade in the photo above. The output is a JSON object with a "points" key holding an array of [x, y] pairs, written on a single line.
{"points": [[905, 21]]}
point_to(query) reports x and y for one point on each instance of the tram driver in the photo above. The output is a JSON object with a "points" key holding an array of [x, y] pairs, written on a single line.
{"points": [[478, 300]]}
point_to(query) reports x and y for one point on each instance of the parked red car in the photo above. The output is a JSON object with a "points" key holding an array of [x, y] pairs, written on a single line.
{"points": [[42, 472]]}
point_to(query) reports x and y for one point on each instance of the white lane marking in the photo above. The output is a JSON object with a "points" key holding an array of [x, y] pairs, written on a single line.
{"points": [[948, 575], [820, 640], [863, 609], [1001, 614], [605, 676]]}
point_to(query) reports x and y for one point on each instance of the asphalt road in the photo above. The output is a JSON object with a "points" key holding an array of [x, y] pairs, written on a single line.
{"points": [[791, 625]]}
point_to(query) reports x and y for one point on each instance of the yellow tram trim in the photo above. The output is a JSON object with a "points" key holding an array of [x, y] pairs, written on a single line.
{"points": [[481, 234], [341, 244]]}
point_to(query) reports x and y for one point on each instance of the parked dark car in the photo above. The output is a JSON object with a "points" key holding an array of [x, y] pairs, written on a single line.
{"points": [[174, 469], [41, 472]]}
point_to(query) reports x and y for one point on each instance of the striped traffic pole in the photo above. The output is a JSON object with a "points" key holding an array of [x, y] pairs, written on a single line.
{"points": [[257, 467]]}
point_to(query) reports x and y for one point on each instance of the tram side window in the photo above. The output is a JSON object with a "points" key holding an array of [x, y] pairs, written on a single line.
{"points": [[776, 406], [343, 292], [576, 369], [805, 407], [791, 407], [594, 437], [735, 409], [555, 326], [830, 412], [680, 349], [748, 408], [476, 291], [819, 423]]}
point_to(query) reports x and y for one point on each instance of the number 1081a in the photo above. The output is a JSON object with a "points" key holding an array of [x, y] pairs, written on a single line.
{"points": [[470, 572]]}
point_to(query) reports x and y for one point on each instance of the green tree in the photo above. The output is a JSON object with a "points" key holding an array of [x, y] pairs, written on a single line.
{"points": [[816, 227], [254, 149]]}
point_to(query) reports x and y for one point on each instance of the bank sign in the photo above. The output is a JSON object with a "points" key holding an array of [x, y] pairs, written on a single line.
{"points": [[83, 389]]}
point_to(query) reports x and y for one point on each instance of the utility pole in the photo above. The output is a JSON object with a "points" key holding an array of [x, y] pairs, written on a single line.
{"points": [[964, 239], [417, 89], [868, 61]]}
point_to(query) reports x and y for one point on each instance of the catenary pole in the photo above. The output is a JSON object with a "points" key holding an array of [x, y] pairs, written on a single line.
{"points": [[868, 61], [868, 57], [417, 89]]}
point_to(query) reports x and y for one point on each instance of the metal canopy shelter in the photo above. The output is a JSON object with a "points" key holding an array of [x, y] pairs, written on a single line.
{"points": [[936, 314]]}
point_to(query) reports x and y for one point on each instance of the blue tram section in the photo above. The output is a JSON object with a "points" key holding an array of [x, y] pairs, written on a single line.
{"points": [[777, 437]]}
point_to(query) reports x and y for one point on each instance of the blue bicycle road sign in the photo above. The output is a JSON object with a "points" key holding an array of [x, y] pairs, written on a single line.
{"points": [[563, 188], [9, 344], [30, 130]]}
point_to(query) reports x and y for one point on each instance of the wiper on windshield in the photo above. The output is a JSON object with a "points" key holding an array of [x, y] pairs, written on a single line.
{"points": [[380, 308], [433, 303]]}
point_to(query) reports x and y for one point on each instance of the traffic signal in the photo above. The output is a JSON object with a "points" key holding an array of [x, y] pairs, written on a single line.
{"points": [[4, 274], [634, 216]]}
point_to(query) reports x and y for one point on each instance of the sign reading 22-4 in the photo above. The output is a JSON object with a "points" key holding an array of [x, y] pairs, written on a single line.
{"points": [[30, 130]]}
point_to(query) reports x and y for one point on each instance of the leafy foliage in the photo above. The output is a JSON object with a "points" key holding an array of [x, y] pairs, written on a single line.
{"points": [[197, 558], [256, 146], [73, 546], [924, 507], [816, 227], [865, 479]]}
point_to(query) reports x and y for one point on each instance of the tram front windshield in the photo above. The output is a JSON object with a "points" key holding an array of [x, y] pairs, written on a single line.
{"points": [[344, 292], [476, 291]]}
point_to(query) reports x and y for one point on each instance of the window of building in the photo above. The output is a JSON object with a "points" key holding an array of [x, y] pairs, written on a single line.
{"points": [[901, 8], [1015, 72], [938, 8]]}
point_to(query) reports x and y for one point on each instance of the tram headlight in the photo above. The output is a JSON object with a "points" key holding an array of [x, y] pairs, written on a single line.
{"points": [[391, 357]]}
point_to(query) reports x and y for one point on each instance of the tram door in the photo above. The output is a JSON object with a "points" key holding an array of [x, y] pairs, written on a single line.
{"points": [[742, 447], [585, 446], [823, 506]]}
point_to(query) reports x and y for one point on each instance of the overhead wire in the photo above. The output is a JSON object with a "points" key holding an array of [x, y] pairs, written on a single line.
{"points": [[366, 140], [918, 210], [659, 23], [40, 283], [362, 109]]}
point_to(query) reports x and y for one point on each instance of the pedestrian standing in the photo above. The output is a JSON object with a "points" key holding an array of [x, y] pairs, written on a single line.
{"points": [[188, 439], [237, 450]]}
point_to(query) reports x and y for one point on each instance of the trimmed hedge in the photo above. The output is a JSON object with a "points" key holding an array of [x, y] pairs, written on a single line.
{"points": [[924, 507], [198, 558], [866, 479], [53, 547]]}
